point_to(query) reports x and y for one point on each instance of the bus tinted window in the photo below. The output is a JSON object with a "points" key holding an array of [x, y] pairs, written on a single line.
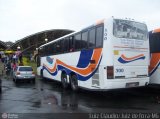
{"points": [[71, 44], [129, 29], [40, 51], [58, 49], [54, 48], [43, 51], [99, 36], [48, 49], [66, 44], [84, 42], [92, 38], [61, 46], [78, 41], [154, 41]]}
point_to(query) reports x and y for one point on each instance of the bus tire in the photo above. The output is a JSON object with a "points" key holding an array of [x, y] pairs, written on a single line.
{"points": [[42, 77], [74, 82], [64, 80]]}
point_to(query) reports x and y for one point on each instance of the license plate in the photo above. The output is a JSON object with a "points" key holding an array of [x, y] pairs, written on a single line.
{"points": [[134, 84], [26, 77]]}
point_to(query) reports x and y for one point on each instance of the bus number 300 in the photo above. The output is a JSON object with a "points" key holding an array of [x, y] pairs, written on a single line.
{"points": [[119, 70]]}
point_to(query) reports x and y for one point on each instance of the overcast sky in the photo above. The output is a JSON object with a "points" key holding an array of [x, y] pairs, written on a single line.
{"points": [[20, 18]]}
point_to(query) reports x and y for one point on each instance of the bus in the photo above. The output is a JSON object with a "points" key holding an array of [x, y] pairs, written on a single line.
{"points": [[110, 54], [154, 70]]}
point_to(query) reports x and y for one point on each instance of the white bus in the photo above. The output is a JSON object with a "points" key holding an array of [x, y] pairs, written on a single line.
{"points": [[110, 54], [154, 40]]}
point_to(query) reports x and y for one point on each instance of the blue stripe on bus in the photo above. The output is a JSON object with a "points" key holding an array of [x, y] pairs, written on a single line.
{"points": [[80, 64], [84, 78], [85, 57], [121, 60], [68, 71]]}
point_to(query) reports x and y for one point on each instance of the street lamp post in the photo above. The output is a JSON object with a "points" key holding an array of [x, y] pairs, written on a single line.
{"points": [[18, 47], [46, 40]]}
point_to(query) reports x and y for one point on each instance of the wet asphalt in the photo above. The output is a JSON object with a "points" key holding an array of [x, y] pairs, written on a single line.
{"points": [[48, 97]]}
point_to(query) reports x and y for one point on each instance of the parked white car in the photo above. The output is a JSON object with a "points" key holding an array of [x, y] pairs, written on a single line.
{"points": [[24, 73]]}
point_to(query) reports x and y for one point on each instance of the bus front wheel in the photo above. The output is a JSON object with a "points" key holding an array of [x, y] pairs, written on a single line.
{"points": [[42, 77], [74, 83]]}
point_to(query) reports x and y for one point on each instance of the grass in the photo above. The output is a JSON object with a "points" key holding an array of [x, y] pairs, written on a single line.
{"points": [[34, 66], [25, 61]]}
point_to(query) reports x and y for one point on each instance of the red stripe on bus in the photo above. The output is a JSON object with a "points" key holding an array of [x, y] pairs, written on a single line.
{"points": [[131, 58], [156, 30], [154, 61]]}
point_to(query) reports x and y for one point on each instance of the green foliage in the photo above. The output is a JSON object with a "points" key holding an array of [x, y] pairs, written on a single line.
{"points": [[27, 62], [34, 66]]}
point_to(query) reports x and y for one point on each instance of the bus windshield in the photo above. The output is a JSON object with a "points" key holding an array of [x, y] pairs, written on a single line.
{"points": [[129, 29]]}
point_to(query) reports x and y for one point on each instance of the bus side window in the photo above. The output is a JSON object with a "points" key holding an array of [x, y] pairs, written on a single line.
{"points": [[78, 41], [92, 38], [58, 50], [45, 51], [71, 44], [42, 51], [54, 48], [49, 49], [99, 36], [66, 44], [84, 42], [61, 46]]}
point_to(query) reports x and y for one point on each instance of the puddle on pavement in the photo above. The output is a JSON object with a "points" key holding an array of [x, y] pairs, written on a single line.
{"points": [[69, 100], [5, 88], [65, 100], [37, 104], [51, 99]]}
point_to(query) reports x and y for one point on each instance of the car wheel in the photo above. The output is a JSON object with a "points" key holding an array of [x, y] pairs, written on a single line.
{"points": [[13, 80], [64, 80], [16, 81], [33, 80], [74, 83]]}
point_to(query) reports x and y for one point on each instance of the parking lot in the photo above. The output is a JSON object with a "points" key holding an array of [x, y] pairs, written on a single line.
{"points": [[49, 97]]}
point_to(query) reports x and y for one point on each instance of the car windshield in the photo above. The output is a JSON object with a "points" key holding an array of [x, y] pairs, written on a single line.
{"points": [[129, 29], [25, 69]]}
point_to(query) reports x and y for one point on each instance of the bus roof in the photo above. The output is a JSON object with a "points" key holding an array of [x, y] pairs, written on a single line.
{"points": [[95, 24], [58, 39]]}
